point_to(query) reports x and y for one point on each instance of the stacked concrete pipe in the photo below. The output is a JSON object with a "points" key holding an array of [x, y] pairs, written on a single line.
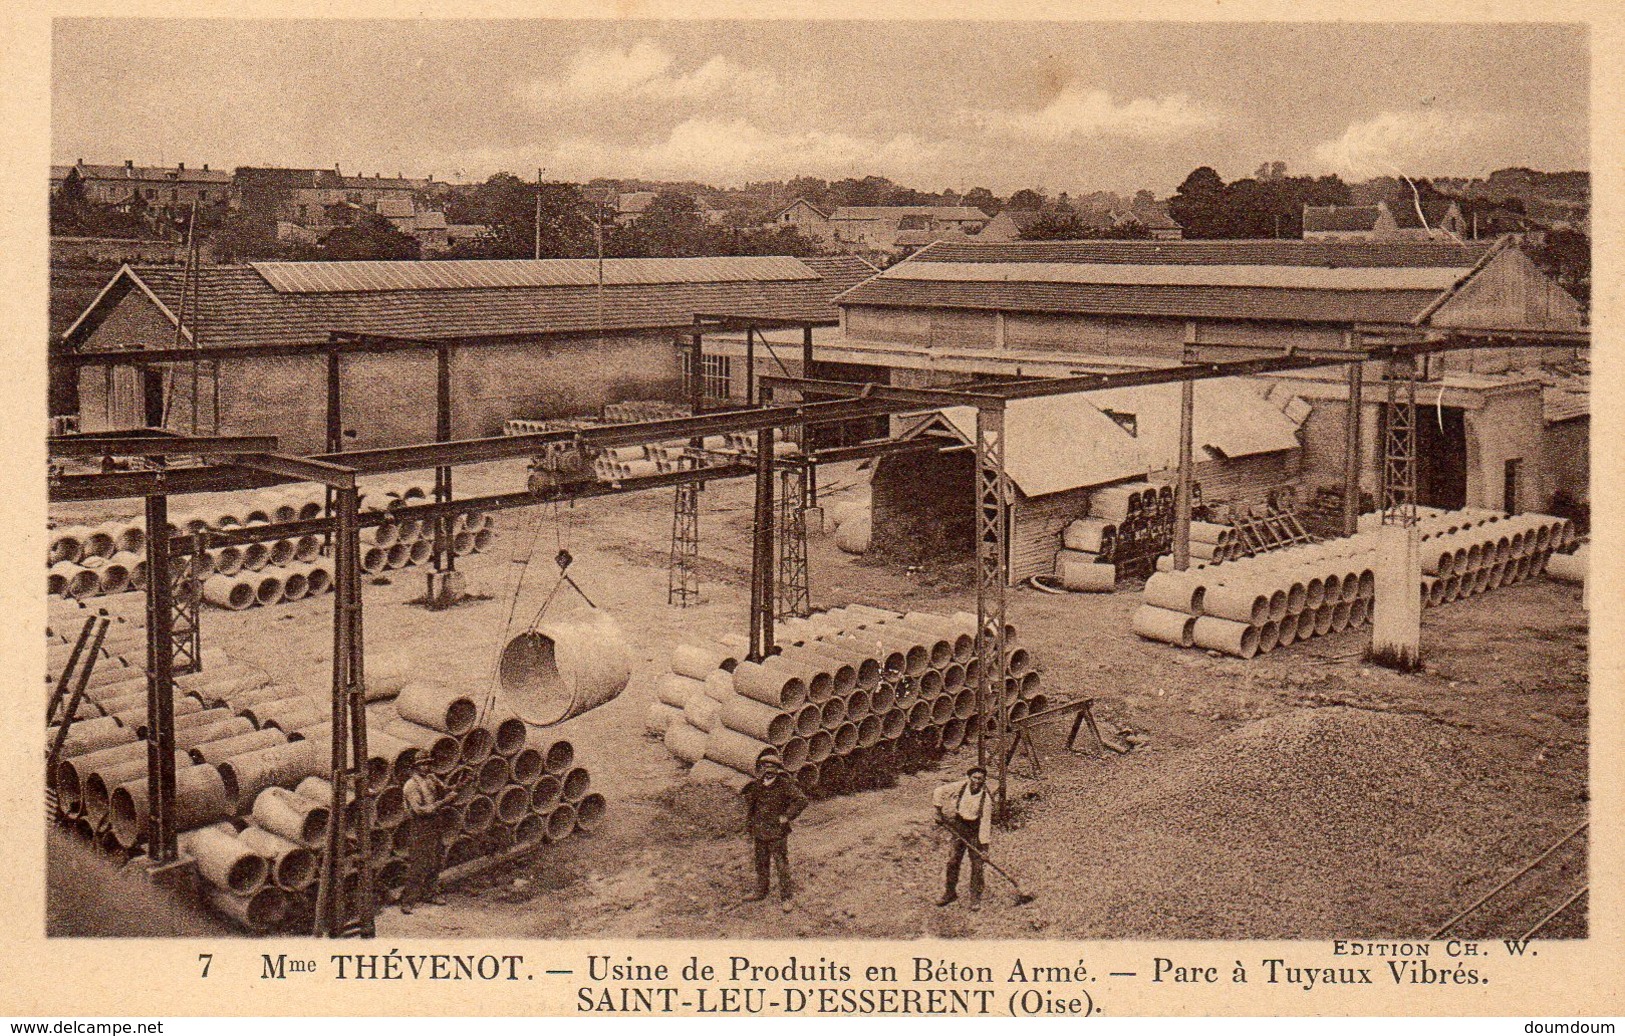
{"points": [[852, 695], [1255, 604]]}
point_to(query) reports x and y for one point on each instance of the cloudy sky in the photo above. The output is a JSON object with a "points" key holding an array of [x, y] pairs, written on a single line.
{"points": [[1072, 107]]}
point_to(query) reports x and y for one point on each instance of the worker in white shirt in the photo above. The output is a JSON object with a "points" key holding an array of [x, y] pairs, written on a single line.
{"points": [[966, 809]]}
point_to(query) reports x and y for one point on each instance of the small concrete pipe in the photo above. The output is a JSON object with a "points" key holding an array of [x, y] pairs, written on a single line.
{"points": [[105, 778], [741, 751], [697, 663], [214, 751], [660, 717], [1086, 578], [704, 713], [1232, 638], [229, 592], [676, 691], [559, 758], [1169, 627], [477, 746], [762, 722], [437, 707], [544, 795], [1176, 591], [444, 750], [772, 682], [258, 913]]}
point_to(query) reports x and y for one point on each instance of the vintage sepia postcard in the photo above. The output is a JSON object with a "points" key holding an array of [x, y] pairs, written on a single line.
{"points": [[654, 510]]}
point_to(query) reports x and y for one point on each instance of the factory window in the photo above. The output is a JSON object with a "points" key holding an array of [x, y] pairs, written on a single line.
{"points": [[716, 374]]}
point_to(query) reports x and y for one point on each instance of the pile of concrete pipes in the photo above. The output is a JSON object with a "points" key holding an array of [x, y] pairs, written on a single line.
{"points": [[851, 695], [1126, 522], [1253, 605], [512, 789], [90, 561], [1472, 551]]}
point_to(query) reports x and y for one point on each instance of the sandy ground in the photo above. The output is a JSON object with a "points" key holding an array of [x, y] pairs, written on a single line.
{"points": [[1301, 794]]}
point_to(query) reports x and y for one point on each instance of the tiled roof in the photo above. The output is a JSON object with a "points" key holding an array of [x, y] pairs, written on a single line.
{"points": [[957, 212], [145, 174], [1347, 218], [840, 272], [239, 306], [442, 274], [1217, 303], [1266, 252]]}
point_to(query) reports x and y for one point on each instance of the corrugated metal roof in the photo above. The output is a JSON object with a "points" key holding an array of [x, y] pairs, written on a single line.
{"points": [[1069, 442], [1231, 420], [239, 307], [1268, 252], [455, 274], [1343, 278], [1218, 303]]}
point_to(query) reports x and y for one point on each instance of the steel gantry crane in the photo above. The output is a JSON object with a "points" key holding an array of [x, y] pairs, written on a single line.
{"points": [[236, 463]]}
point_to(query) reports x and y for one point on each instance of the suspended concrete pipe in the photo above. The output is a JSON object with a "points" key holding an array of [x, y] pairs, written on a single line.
{"points": [[437, 707], [230, 592], [565, 667], [224, 860]]}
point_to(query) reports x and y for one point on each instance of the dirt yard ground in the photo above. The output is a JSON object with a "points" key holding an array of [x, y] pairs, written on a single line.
{"points": [[1301, 794]]}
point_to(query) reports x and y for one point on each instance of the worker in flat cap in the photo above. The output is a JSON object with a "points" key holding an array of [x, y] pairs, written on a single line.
{"points": [[965, 808], [772, 802], [427, 797]]}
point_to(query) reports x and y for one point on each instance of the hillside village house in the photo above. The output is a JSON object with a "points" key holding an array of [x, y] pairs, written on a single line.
{"points": [[1498, 438], [812, 221], [1396, 221], [876, 228], [531, 339], [158, 187]]}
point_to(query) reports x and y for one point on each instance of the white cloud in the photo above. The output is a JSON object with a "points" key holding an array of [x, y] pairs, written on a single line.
{"points": [[735, 151], [1081, 112], [644, 71], [1435, 140]]}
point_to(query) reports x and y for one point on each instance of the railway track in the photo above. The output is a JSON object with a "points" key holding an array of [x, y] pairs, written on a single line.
{"points": [[1547, 896]]}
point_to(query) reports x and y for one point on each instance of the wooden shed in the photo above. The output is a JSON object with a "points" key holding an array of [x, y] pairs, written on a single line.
{"points": [[1058, 450]]}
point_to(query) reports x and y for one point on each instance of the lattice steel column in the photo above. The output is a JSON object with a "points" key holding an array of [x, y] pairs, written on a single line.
{"points": [[1399, 445], [992, 574], [348, 851], [795, 595], [683, 576], [185, 595]]}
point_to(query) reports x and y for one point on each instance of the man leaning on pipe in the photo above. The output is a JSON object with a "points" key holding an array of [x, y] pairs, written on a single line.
{"points": [[965, 808], [427, 797], [772, 801]]}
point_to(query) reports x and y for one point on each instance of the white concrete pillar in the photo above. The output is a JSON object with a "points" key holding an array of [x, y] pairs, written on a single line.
{"points": [[1396, 619]]}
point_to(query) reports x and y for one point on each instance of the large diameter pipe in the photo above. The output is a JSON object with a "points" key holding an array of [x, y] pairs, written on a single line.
{"points": [[1232, 638], [292, 816], [293, 867], [200, 798], [224, 860], [737, 750], [565, 667], [258, 913], [214, 751], [100, 783], [246, 776]]}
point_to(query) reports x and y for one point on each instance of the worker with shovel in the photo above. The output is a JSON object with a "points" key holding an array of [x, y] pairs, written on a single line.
{"points": [[772, 801], [965, 808]]}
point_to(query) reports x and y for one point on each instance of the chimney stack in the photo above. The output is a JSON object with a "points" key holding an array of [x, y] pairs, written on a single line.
{"points": [[180, 167], [205, 167]]}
